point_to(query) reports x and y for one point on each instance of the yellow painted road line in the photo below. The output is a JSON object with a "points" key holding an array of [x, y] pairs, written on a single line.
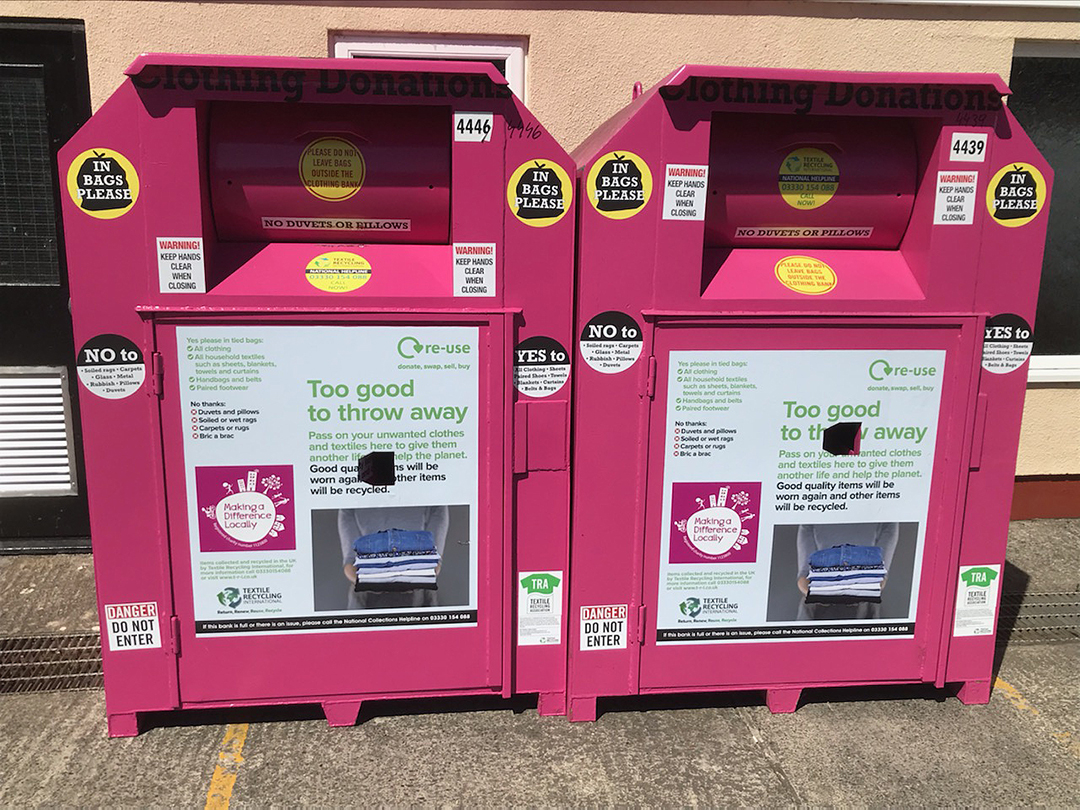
{"points": [[1014, 697], [228, 765], [1063, 738]]}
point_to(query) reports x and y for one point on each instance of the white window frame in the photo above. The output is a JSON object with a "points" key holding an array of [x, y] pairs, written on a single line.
{"points": [[439, 46], [1050, 368]]}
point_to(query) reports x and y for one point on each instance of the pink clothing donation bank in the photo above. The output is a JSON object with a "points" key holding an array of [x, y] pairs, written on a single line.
{"points": [[323, 315], [805, 305]]}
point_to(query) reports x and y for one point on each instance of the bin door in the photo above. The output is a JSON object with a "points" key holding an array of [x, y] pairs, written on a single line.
{"points": [[771, 441], [267, 430]]}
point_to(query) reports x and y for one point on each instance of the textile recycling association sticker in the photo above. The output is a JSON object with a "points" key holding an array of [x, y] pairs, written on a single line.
{"points": [[808, 178], [338, 271]]}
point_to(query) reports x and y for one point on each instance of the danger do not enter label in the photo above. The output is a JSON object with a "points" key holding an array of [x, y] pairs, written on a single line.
{"points": [[603, 627]]}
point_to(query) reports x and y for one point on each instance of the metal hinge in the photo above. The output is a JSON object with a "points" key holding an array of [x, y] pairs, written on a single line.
{"points": [[641, 624], [157, 374], [979, 436], [174, 635], [650, 382]]}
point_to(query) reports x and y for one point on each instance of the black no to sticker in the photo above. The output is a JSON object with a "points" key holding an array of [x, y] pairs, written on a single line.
{"points": [[110, 366], [1007, 343], [541, 366], [611, 342]]}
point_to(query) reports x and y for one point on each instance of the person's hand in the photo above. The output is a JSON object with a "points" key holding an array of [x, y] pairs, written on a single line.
{"points": [[804, 585], [350, 573]]}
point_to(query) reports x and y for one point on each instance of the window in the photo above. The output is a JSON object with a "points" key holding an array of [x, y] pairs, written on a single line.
{"points": [[1046, 100], [508, 55]]}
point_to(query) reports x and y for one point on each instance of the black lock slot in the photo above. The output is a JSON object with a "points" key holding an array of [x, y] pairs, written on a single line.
{"points": [[377, 468], [842, 439]]}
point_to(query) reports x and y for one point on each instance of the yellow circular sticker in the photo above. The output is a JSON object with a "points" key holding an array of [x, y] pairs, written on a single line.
{"points": [[808, 178], [805, 275], [619, 184], [332, 169], [539, 193], [338, 271], [1016, 194], [103, 183]]}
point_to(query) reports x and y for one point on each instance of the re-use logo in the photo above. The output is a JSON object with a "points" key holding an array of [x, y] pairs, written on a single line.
{"points": [[411, 348], [882, 370]]}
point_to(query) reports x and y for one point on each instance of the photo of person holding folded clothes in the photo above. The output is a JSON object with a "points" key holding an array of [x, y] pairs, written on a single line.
{"points": [[392, 555], [843, 568]]}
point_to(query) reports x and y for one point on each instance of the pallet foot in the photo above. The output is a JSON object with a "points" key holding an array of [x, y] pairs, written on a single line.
{"points": [[551, 704], [782, 701], [583, 710], [341, 714], [975, 693], [123, 725]]}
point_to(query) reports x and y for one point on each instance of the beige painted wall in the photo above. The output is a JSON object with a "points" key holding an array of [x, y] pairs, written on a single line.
{"points": [[583, 58]]}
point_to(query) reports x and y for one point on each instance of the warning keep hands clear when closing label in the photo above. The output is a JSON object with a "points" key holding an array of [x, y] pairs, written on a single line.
{"points": [[955, 200], [474, 269], [684, 191]]}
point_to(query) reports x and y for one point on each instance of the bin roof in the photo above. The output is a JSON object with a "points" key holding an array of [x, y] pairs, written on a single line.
{"points": [[683, 73], [592, 145], [460, 67]]}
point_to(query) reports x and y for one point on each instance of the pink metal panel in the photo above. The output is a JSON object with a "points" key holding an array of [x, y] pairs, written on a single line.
{"points": [[912, 657], [470, 657]]}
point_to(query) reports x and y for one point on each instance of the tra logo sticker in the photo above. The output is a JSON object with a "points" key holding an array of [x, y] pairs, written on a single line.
{"points": [[976, 600], [245, 508], [338, 271], [808, 178], [619, 184], [540, 608], [1016, 194], [332, 169], [539, 193], [806, 275], [103, 183]]}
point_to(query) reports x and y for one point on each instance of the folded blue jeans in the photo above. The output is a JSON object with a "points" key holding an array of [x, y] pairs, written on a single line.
{"points": [[846, 555], [394, 541]]}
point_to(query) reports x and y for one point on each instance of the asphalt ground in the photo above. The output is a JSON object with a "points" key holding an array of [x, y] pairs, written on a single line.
{"points": [[854, 747]]}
